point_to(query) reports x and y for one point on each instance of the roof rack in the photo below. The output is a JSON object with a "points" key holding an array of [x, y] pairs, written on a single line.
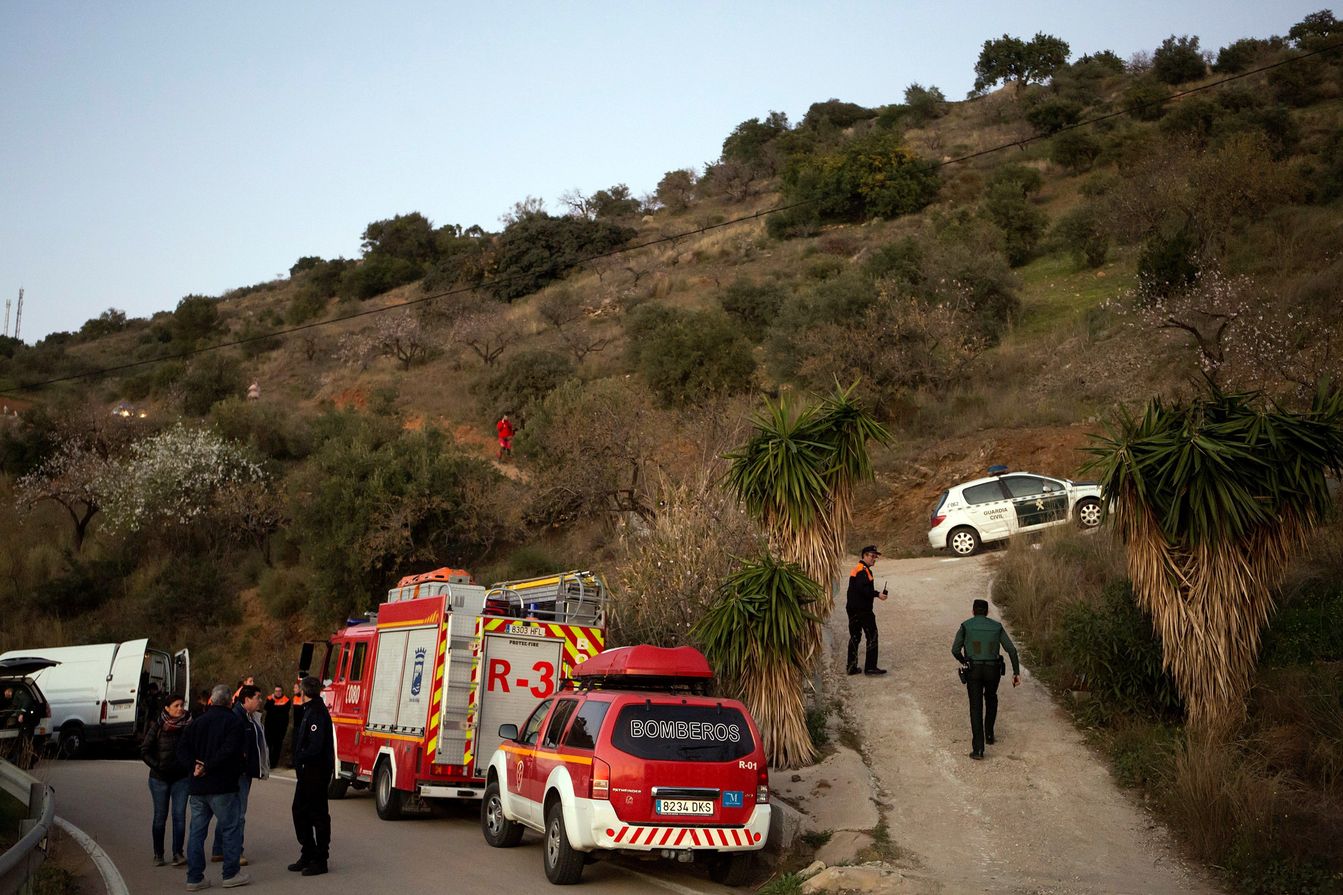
{"points": [[574, 597], [645, 667]]}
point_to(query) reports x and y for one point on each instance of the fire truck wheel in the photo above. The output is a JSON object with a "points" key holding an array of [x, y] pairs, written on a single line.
{"points": [[499, 831], [730, 870], [564, 865], [387, 799], [336, 789]]}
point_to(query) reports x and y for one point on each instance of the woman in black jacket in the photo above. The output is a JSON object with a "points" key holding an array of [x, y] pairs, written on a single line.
{"points": [[167, 777]]}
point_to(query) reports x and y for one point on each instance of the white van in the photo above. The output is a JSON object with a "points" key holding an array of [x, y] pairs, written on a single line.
{"points": [[106, 690]]}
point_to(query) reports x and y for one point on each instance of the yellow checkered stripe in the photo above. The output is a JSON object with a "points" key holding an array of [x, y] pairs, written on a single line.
{"points": [[469, 744], [436, 697]]}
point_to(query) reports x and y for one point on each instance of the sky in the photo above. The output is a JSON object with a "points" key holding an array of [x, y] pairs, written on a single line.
{"points": [[153, 150]]}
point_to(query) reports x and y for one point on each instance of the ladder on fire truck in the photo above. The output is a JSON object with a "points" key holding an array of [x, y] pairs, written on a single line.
{"points": [[576, 598]]}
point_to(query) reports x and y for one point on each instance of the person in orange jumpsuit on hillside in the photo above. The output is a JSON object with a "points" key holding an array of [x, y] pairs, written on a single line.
{"points": [[505, 429]]}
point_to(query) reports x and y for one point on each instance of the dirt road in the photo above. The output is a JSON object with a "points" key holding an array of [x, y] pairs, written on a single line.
{"points": [[1041, 814]]}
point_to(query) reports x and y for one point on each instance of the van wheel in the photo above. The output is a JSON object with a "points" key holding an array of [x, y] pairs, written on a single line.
{"points": [[731, 869], [337, 788], [71, 741], [963, 541], [564, 865], [499, 831], [387, 799]]}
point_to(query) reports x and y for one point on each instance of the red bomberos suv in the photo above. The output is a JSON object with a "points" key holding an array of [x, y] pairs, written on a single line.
{"points": [[633, 756]]}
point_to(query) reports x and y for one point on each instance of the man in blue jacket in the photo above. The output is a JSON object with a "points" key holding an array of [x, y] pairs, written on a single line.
{"points": [[314, 762], [255, 761], [212, 746]]}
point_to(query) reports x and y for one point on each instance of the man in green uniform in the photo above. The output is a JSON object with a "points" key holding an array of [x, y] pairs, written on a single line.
{"points": [[976, 647]]}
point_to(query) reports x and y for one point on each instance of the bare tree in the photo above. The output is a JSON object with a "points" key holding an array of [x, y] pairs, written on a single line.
{"points": [[72, 478], [562, 310], [486, 331]]}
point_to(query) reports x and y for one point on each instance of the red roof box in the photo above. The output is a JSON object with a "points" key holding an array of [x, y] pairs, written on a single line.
{"points": [[646, 661]]}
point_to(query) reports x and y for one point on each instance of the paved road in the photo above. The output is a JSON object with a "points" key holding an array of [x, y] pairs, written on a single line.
{"points": [[109, 800], [1042, 813]]}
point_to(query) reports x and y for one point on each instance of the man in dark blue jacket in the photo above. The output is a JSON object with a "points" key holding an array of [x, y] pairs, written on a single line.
{"points": [[314, 762], [212, 746], [255, 765]]}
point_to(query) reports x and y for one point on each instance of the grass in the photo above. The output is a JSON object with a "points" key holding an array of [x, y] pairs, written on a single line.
{"points": [[1057, 294], [787, 884], [883, 848]]}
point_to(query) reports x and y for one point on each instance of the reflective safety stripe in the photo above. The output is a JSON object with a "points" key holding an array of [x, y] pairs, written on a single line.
{"points": [[677, 837]]}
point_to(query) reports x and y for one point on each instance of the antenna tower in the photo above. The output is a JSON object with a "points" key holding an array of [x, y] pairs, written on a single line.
{"points": [[7, 304], [18, 314]]}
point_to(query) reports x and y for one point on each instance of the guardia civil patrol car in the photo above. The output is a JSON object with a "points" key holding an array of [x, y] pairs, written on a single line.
{"points": [[971, 514], [632, 756]]}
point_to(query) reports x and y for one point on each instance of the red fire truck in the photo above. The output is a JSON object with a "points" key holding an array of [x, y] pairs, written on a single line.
{"points": [[418, 691]]}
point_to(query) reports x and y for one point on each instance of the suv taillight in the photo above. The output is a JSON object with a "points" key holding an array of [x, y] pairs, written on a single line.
{"points": [[937, 520], [762, 786], [601, 779]]}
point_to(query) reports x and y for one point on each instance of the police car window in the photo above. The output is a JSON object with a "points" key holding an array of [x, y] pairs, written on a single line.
{"points": [[564, 710], [1024, 485], [682, 733], [984, 493], [356, 672], [583, 733], [534, 722]]}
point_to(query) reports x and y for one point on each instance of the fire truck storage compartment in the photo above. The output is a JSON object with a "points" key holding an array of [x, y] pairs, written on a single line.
{"points": [[456, 691], [403, 680], [515, 673]]}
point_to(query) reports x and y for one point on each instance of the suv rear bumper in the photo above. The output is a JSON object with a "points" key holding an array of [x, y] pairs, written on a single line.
{"points": [[599, 828]]}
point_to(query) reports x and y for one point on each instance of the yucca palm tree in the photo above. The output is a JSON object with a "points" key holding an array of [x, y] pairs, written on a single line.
{"points": [[1212, 498], [754, 634], [796, 474]]}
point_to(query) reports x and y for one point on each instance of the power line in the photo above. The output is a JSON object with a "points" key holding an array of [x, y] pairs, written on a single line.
{"points": [[675, 237]]}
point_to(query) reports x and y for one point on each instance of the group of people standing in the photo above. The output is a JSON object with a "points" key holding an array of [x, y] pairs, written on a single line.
{"points": [[207, 760], [976, 646]]}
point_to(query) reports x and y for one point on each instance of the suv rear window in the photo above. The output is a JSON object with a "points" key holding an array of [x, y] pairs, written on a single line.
{"points": [[682, 733]]}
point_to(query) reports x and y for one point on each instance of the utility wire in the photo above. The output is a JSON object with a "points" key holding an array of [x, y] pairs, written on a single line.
{"points": [[672, 238]]}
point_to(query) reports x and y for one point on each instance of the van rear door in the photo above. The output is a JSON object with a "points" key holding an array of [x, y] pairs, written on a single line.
{"points": [[181, 683], [123, 682]]}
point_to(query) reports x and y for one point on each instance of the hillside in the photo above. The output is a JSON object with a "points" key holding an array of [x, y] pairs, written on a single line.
{"points": [[998, 275]]}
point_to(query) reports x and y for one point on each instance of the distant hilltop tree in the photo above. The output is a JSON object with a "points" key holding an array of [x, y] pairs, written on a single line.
{"points": [[1011, 59]]}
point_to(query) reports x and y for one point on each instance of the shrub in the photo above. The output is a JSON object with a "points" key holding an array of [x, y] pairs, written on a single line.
{"points": [[377, 274], [1083, 233], [526, 378], [409, 237], [924, 104], [538, 249], [1075, 151], [1053, 115], [1113, 649], [1296, 85], [1192, 117], [1178, 60], [211, 377], [900, 261], [1007, 205], [284, 591], [1145, 99], [835, 114], [868, 177], [1168, 263], [268, 429], [753, 305], [196, 318], [687, 356], [1239, 55]]}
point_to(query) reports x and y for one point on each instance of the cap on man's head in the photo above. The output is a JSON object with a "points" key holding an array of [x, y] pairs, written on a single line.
{"points": [[980, 607], [870, 548]]}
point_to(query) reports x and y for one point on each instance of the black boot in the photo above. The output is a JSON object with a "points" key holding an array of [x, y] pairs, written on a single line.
{"points": [[300, 864], [316, 868]]}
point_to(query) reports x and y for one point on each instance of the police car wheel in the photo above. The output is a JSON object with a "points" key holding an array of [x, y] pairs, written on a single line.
{"points": [[1090, 513], [387, 799], [564, 865], [963, 541], [499, 831]]}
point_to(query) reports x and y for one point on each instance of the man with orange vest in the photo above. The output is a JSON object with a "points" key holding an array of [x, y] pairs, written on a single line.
{"points": [[862, 620], [277, 722], [505, 429]]}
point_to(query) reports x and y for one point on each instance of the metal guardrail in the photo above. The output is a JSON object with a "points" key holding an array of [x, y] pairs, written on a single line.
{"points": [[19, 863]]}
